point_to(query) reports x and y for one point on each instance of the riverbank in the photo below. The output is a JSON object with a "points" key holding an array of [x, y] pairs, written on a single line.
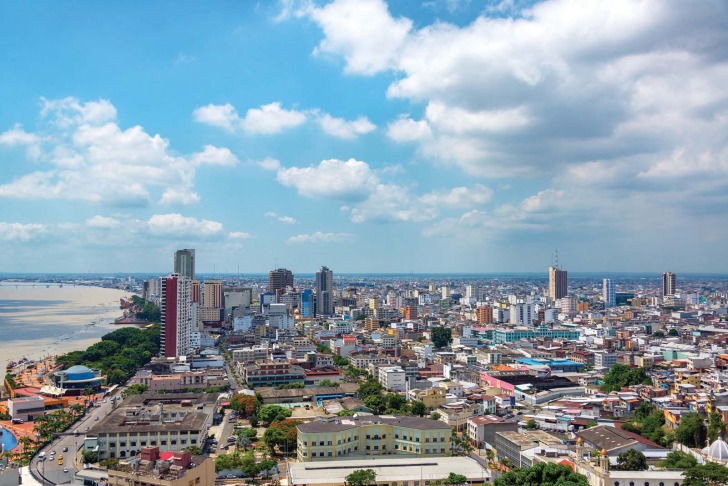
{"points": [[39, 321]]}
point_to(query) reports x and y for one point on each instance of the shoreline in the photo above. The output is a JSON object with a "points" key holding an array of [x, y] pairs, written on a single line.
{"points": [[49, 319]]}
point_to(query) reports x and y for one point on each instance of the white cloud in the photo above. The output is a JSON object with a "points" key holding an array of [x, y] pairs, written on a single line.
{"points": [[18, 136], [222, 116], [269, 163], [102, 222], [21, 232], [212, 155], [338, 179], [390, 203], [239, 235], [459, 197], [176, 225], [175, 197], [280, 218], [70, 111], [338, 127], [363, 32], [319, 237], [405, 129], [91, 158], [271, 119]]}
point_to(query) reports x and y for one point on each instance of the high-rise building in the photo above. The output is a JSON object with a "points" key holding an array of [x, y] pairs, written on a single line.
{"points": [[324, 292], [558, 283], [176, 306], [184, 263], [212, 294], [196, 294], [521, 314], [278, 280], [608, 293], [307, 303], [668, 283], [484, 315]]}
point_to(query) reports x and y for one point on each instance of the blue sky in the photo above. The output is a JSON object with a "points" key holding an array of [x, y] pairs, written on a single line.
{"points": [[434, 136]]}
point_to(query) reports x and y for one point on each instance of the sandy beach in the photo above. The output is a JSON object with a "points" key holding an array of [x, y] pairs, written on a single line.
{"points": [[36, 321]]}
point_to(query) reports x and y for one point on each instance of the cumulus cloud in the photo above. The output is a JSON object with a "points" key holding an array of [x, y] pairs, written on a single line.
{"points": [[21, 232], [320, 237], [405, 129], [281, 218], [362, 32], [90, 157], [459, 197], [270, 119], [333, 178], [222, 116], [102, 222], [526, 92], [338, 127], [239, 235], [269, 163], [176, 225]]}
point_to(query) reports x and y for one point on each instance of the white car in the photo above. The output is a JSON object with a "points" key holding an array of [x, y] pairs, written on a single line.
{"points": [[65, 469]]}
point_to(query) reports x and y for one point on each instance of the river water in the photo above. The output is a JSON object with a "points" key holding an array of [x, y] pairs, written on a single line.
{"points": [[39, 320]]}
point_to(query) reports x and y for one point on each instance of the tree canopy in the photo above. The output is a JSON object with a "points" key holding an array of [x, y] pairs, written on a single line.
{"points": [[274, 413], [692, 431], [441, 336], [678, 460], [361, 477], [631, 460], [244, 405], [454, 478], [710, 473], [621, 376], [542, 474]]}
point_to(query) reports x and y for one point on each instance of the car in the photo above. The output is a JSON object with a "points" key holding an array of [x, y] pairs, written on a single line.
{"points": [[65, 449], [60, 461], [52, 453], [96, 418], [103, 401], [230, 476], [65, 469]]}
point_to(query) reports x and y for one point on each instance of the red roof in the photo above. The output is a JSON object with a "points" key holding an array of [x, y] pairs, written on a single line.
{"points": [[166, 456], [564, 462]]}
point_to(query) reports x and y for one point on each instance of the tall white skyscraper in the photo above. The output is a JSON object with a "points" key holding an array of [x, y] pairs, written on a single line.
{"points": [[521, 314], [176, 306], [324, 292], [608, 293]]}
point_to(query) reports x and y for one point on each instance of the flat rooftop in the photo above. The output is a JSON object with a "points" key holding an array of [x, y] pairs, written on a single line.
{"points": [[387, 470]]}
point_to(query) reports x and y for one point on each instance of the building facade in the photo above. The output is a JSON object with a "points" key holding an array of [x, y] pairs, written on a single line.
{"points": [[184, 263], [176, 308], [324, 292], [352, 437]]}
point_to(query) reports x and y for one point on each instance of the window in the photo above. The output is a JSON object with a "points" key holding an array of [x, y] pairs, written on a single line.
{"points": [[329, 454], [313, 454], [328, 443]]}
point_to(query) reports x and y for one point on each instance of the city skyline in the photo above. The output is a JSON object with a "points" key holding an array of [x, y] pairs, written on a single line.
{"points": [[367, 136]]}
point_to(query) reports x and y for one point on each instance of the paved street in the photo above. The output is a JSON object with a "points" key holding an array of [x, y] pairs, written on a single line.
{"points": [[50, 469]]}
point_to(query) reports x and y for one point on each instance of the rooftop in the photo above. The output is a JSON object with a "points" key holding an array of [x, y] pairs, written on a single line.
{"points": [[337, 424], [387, 470]]}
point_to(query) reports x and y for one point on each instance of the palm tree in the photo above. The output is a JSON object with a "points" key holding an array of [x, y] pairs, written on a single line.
{"points": [[76, 409]]}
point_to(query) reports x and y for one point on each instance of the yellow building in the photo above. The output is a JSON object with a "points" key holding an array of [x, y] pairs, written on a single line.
{"points": [[372, 435], [165, 473], [431, 397]]}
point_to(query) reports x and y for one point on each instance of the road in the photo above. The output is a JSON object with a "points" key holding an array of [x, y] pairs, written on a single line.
{"points": [[50, 469]]}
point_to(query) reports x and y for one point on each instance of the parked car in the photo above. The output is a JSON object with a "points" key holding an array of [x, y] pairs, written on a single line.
{"points": [[65, 449]]}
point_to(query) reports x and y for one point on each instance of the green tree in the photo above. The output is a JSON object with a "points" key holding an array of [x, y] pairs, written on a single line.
{"points": [[274, 437], [136, 389], [368, 388], [643, 410], [658, 334], [435, 416], [244, 405], [673, 332], [376, 402], [631, 460], [692, 431], [715, 425], [710, 473], [395, 402], [531, 424], [542, 474], [418, 408], [621, 376], [361, 477], [441, 336], [194, 449], [678, 460], [328, 383], [454, 478], [274, 413], [90, 457], [251, 434]]}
